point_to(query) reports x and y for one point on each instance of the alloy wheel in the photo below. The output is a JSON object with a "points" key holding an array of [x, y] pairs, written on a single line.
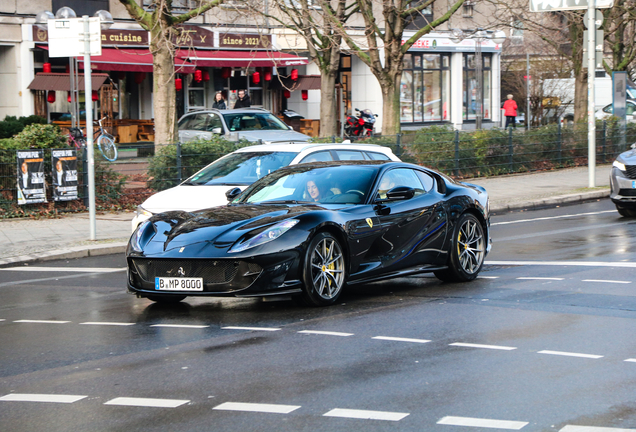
{"points": [[327, 268]]}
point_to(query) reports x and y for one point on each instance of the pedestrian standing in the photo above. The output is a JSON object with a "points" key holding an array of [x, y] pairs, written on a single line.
{"points": [[219, 101], [510, 111], [243, 100]]}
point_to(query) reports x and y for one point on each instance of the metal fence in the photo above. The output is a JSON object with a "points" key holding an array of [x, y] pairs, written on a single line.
{"points": [[143, 168]]}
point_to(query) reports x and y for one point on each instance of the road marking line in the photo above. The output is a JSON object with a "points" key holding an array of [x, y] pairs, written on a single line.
{"points": [[32, 397], [399, 339], [487, 277], [328, 333], [571, 428], [147, 402], [540, 278], [107, 323], [48, 279], [552, 217], [180, 326], [565, 263], [494, 347], [570, 354], [633, 360], [2, 319], [268, 329], [606, 281], [41, 321], [65, 269], [365, 414], [256, 407], [481, 422]]}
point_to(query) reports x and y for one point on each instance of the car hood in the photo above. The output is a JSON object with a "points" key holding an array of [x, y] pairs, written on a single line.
{"points": [[628, 157], [188, 198], [217, 228], [274, 136]]}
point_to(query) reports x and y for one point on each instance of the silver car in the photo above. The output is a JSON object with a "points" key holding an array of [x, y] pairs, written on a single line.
{"points": [[252, 124], [623, 183]]}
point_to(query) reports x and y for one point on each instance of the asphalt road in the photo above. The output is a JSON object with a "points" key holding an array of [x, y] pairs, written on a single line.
{"points": [[529, 347]]}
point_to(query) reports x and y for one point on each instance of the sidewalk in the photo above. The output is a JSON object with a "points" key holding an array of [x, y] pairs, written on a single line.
{"points": [[25, 240]]}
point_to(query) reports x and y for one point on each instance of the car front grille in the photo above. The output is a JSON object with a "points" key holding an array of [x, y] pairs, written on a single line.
{"points": [[212, 271], [627, 192], [630, 171]]}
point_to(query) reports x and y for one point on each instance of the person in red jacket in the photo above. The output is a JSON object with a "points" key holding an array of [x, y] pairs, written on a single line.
{"points": [[510, 111]]}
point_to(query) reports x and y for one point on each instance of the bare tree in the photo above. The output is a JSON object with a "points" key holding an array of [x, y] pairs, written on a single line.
{"points": [[387, 68], [323, 43], [162, 24]]}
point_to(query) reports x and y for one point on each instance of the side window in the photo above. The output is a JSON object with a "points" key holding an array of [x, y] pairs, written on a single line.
{"points": [[184, 122], [399, 177], [427, 180], [214, 122], [608, 109], [377, 156], [321, 156], [630, 109], [198, 122], [349, 155]]}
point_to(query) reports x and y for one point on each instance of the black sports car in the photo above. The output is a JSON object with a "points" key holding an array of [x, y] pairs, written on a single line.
{"points": [[309, 229]]}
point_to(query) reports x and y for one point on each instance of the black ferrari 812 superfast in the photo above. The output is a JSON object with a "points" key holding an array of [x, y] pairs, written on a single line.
{"points": [[309, 230]]}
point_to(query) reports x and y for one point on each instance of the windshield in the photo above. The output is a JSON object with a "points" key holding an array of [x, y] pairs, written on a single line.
{"points": [[345, 184], [241, 168], [253, 121]]}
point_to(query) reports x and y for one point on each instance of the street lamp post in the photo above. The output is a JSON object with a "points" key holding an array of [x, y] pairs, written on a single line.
{"points": [[479, 36]]}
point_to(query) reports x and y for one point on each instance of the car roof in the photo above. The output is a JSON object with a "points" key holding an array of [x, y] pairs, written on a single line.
{"points": [[300, 147], [236, 110]]}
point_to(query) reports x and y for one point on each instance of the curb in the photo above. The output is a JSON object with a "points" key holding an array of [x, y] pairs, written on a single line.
{"points": [[120, 247]]}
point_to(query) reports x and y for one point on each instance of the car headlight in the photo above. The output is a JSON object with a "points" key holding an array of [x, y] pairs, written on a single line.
{"points": [[271, 233], [619, 165], [143, 212], [145, 231]]}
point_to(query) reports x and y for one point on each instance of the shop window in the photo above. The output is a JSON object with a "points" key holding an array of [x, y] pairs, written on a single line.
{"points": [[468, 9], [470, 86], [196, 95], [425, 88]]}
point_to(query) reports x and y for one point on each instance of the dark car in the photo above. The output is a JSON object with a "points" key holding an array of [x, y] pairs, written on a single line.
{"points": [[308, 229], [623, 183]]}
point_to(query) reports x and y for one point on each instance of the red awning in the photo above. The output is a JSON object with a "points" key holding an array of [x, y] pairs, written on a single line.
{"points": [[62, 81], [203, 58], [131, 60]]}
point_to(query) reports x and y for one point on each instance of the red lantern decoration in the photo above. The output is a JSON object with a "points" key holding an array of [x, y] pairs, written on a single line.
{"points": [[68, 68], [50, 97], [94, 96], [294, 74], [46, 67], [68, 97], [121, 75], [140, 77], [225, 72], [198, 75], [178, 84], [268, 75], [256, 77], [305, 94], [286, 94], [206, 75]]}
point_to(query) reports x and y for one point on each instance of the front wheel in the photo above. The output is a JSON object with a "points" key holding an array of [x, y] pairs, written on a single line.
{"points": [[107, 146], [468, 250], [324, 272]]}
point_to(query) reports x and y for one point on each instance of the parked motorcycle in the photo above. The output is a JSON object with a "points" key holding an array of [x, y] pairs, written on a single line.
{"points": [[360, 125]]}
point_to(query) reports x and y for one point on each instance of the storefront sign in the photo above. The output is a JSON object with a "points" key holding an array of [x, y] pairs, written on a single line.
{"points": [[245, 41], [64, 174], [193, 36], [30, 180], [112, 37], [446, 45]]}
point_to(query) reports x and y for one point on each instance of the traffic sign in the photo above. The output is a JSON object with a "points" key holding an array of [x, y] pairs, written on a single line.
{"points": [[560, 5], [598, 19], [66, 37]]}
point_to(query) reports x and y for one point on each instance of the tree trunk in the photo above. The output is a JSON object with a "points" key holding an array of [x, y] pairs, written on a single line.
{"points": [[580, 96], [165, 111], [391, 102], [328, 105]]}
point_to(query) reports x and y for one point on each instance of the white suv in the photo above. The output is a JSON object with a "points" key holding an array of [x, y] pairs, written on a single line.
{"points": [[243, 167]]}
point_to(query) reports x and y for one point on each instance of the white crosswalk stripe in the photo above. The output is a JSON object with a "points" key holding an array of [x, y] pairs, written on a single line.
{"points": [[257, 407], [365, 414], [34, 397], [482, 423], [147, 402]]}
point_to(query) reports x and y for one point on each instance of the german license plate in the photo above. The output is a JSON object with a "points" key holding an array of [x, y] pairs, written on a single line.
{"points": [[178, 284], [633, 184]]}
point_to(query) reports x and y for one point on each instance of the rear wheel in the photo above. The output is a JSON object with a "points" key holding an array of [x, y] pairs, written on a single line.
{"points": [[625, 212], [468, 251], [107, 146], [324, 272], [166, 299]]}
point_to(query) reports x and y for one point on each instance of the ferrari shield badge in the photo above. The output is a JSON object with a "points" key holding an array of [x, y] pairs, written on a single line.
{"points": [[370, 222]]}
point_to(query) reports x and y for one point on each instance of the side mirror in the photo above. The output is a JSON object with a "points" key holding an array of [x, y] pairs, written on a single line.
{"points": [[400, 193], [217, 130], [232, 193], [290, 128], [633, 146]]}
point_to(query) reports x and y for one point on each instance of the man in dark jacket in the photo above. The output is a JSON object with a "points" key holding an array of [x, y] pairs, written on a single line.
{"points": [[243, 100]]}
